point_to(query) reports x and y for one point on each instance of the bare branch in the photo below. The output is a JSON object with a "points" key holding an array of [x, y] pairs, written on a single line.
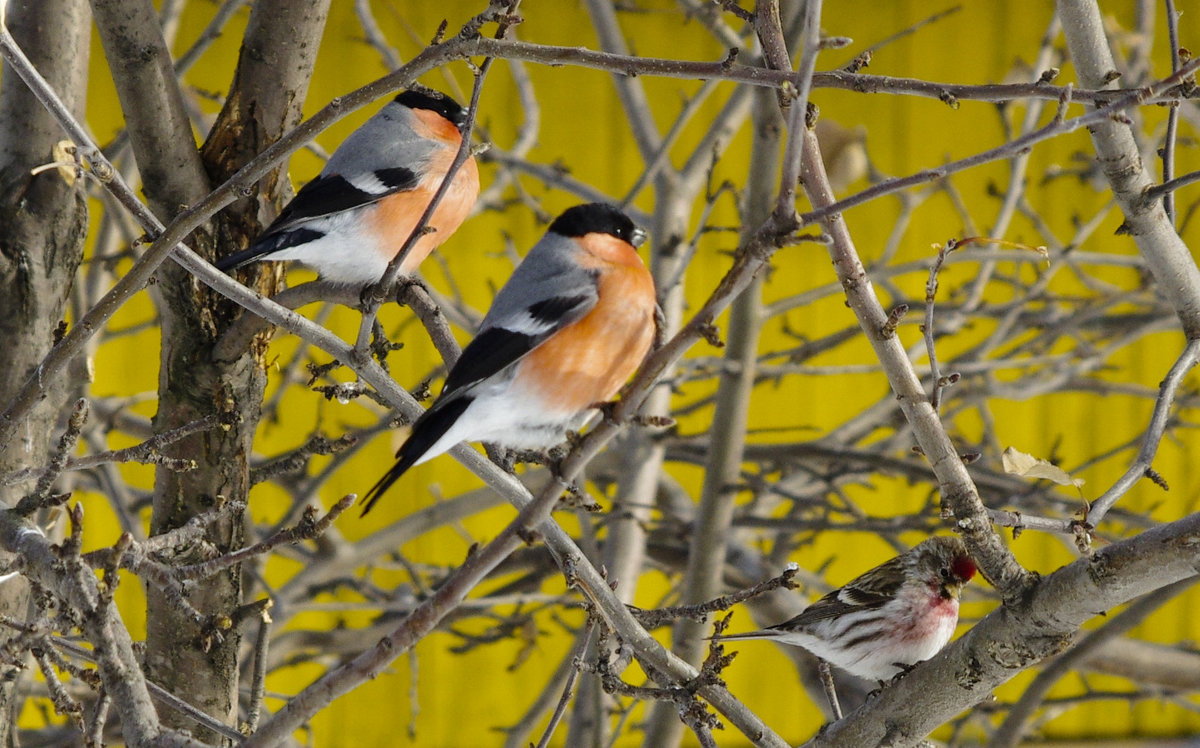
{"points": [[1154, 432], [310, 527], [146, 453], [1010, 731], [960, 498], [101, 624], [1116, 148]]}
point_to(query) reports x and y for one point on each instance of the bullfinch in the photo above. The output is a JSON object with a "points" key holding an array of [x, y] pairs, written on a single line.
{"points": [[569, 327], [351, 220]]}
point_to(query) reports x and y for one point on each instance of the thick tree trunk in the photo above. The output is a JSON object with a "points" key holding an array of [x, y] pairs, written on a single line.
{"points": [[43, 223], [197, 659]]}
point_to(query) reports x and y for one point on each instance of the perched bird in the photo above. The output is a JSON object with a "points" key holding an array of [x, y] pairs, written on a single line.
{"points": [[887, 620], [351, 220], [564, 333]]}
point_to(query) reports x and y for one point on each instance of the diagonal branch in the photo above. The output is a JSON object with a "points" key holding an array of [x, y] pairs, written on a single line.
{"points": [[960, 497], [1117, 151], [1012, 729], [1155, 432], [633, 96], [152, 103]]}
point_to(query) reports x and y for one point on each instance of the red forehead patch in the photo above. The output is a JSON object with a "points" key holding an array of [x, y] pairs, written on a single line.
{"points": [[963, 568]]}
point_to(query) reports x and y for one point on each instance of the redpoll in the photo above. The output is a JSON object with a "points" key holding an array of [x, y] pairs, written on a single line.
{"points": [[887, 620]]}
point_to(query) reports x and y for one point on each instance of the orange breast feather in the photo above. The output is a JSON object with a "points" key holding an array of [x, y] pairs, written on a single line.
{"points": [[397, 215], [588, 361]]}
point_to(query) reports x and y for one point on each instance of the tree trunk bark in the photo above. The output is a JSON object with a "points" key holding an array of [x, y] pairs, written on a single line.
{"points": [[197, 658], [43, 223]]}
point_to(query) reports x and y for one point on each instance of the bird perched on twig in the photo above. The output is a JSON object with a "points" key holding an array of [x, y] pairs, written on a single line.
{"points": [[351, 220], [884, 622], [564, 333]]}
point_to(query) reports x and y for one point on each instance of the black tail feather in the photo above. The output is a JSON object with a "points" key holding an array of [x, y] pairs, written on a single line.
{"points": [[266, 244], [237, 259], [430, 427]]}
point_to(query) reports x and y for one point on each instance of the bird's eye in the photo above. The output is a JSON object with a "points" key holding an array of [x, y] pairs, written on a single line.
{"points": [[945, 574]]}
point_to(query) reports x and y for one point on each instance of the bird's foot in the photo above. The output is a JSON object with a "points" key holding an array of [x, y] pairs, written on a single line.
{"points": [[504, 458], [904, 670], [407, 285], [528, 456], [648, 420], [371, 297]]}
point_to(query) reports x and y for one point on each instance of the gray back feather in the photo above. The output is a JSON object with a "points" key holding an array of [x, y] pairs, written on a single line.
{"points": [[385, 141], [551, 270]]}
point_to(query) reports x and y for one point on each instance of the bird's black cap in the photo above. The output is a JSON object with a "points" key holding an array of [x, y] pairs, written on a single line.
{"points": [[434, 101], [598, 218]]}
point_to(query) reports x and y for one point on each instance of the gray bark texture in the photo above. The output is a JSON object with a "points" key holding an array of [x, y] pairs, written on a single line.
{"points": [[43, 223], [193, 653]]}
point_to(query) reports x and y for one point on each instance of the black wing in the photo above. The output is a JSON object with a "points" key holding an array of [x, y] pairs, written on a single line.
{"points": [[869, 591], [334, 193], [498, 347], [323, 196]]}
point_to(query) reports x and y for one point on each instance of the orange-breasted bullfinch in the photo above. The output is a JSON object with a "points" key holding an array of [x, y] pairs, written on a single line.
{"points": [[569, 327], [351, 220]]}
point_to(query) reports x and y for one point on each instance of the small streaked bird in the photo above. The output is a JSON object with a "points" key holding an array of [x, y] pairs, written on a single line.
{"points": [[351, 220], [564, 333], [887, 620]]}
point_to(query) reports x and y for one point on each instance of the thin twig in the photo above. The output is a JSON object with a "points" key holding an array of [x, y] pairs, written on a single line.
{"points": [[58, 460], [1168, 148], [576, 659], [931, 287], [308, 528], [830, 689], [1155, 431], [909, 31], [1058, 126], [63, 702], [1169, 187], [146, 453], [258, 680], [661, 616], [374, 35]]}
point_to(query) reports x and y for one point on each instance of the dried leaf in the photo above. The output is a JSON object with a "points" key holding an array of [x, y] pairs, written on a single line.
{"points": [[64, 160], [1017, 462]]}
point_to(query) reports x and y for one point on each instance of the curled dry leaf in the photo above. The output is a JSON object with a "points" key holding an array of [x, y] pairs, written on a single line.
{"points": [[64, 154], [1025, 465]]}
